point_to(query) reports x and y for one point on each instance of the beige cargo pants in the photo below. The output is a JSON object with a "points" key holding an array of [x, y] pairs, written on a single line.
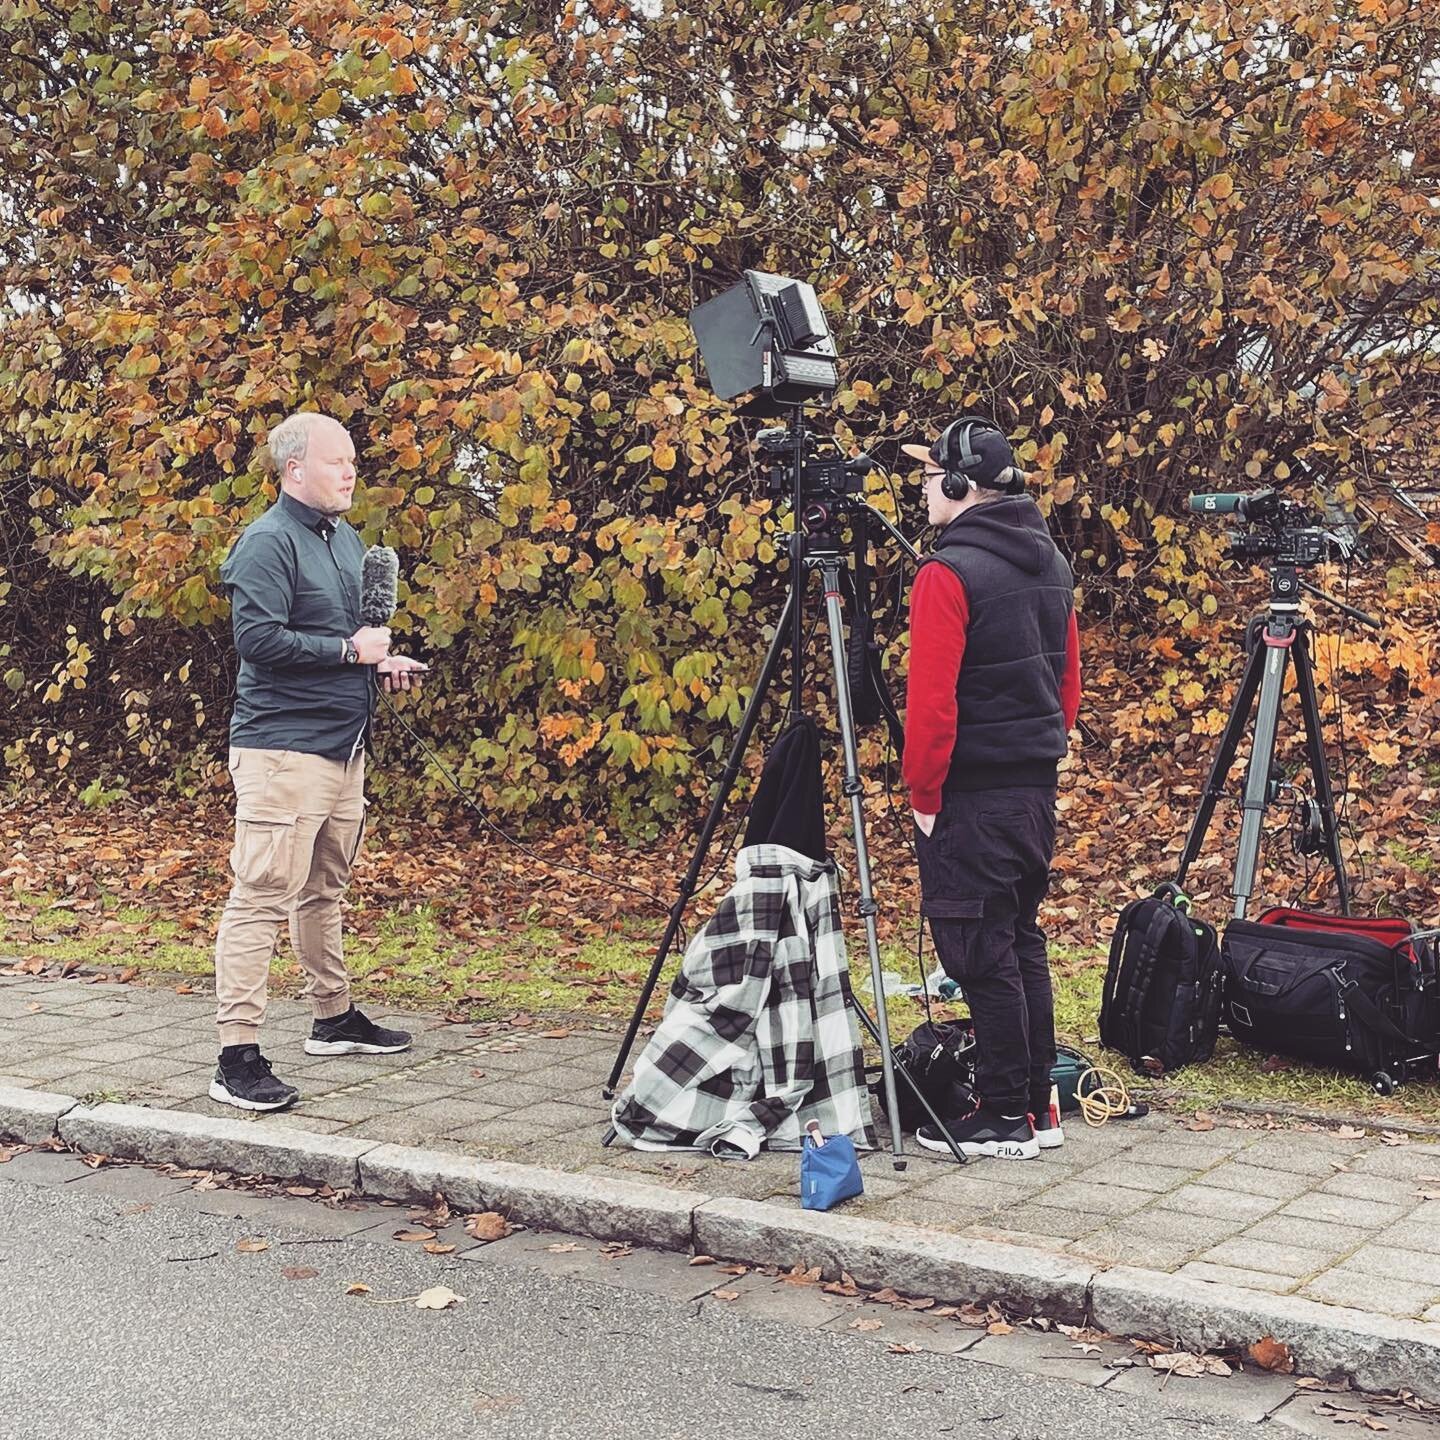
{"points": [[299, 824]]}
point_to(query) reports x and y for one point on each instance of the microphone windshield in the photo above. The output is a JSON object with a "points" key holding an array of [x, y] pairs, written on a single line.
{"points": [[378, 574]]}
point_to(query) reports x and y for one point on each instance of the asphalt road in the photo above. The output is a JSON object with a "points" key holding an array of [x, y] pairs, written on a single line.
{"points": [[122, 1320]]}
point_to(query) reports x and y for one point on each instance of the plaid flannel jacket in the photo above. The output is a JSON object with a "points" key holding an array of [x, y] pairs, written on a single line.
{"points": [[758, 1037]]}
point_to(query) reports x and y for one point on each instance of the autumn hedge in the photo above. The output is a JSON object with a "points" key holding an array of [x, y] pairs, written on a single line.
{"points": [[1168, 245]]}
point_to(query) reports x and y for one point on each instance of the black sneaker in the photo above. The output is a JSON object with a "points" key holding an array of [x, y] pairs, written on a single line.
{"points": [[244, 1079], [1045, 1120], [984, 1131], [354, 1033]]}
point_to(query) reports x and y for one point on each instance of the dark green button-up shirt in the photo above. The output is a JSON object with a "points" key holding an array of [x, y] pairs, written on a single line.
{"points": [[293, 578]]}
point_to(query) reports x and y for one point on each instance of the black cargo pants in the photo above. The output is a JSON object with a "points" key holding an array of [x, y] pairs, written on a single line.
{"points": [[983, 873]]}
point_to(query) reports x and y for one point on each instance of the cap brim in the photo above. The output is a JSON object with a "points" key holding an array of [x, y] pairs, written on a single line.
{"points": [[916, 452]]}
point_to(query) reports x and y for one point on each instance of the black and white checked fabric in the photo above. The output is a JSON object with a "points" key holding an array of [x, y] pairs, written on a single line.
{"points": [[758, 1037]]}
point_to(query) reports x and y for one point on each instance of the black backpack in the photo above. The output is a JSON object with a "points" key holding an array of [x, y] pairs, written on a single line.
{"points": [[1354, 993], [1161, 1003]]}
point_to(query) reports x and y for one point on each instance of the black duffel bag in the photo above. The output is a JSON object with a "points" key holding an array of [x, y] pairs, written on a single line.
{"points": [[1160, 1006], [1344, 991]]}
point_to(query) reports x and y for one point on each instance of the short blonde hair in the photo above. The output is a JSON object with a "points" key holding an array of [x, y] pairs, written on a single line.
{"points": [[290, 439]]}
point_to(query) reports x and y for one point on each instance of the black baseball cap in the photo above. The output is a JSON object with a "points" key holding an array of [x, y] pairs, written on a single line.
{"points": [[992, 454]]}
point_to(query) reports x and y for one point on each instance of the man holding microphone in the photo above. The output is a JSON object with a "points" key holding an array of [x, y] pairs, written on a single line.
{"points": [[309, 670]]}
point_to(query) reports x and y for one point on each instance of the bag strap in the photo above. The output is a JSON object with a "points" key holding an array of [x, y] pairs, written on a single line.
{"points": [[1144, 969], [1368, 1011]]}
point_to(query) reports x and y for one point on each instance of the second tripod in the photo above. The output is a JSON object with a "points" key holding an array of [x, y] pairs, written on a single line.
{"points": [[1274, 640]]}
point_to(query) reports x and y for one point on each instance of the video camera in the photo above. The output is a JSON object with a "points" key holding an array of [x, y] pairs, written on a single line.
{"points": [[823, 477], [1286, 532]]}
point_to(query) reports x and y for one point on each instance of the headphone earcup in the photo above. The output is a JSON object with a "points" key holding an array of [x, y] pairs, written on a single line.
{"points": [[954, 486]]}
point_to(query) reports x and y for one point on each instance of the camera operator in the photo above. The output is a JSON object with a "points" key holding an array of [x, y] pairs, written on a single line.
{"points": [[994, 687], [303, 698]]}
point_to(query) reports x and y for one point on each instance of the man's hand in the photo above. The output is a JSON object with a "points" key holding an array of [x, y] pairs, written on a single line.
{"points": [[400, 672], [925, 822], [373, 643]]}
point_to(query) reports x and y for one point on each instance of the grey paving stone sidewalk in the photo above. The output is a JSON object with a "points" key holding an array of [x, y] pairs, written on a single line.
{"points": [[1293, 1211]]}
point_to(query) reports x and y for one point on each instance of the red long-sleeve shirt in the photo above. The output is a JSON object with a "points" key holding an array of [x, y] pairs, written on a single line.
{"points": [[939, 617]]}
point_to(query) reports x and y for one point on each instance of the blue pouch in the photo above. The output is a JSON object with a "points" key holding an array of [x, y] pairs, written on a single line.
{"points": [[829, 1173]]}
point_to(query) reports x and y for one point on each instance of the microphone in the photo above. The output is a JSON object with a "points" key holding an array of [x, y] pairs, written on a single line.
{"points": [[1225, 503], [1256, 505], [378, 574]]}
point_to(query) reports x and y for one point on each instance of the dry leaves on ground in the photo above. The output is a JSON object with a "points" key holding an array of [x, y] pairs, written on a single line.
{"points": [[437, 1297], [418, 1236], [1341, 1415], [1272, 1354], [357, 1289], [251, 1246], [299, 1272], [1182, 1362], [487, 1226]]}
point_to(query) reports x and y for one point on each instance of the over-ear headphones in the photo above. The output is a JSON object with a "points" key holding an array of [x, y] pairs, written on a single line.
{"points": [[955, 484]]}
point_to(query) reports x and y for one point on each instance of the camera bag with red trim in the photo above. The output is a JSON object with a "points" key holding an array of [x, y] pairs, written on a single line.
{"points": [[1346, 991]]}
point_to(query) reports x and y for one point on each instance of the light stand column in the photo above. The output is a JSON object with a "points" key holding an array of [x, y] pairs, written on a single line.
{"points": [[830, 571]]}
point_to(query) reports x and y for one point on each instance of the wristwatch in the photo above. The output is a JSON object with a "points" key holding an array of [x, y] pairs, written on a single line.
{"points": [[352, 653]]}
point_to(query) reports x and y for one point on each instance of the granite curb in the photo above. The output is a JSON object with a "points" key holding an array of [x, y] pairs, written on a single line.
{"points": [[1375, 1352]]}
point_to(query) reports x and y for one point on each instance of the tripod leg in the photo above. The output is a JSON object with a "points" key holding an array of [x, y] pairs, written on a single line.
{"points": [[1224, 759], [915, 1090], [830, 569], [1319, 770], [1257, 774], [712, 821]]}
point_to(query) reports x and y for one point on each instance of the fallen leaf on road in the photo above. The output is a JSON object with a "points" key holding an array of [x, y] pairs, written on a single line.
{"points": [[251, 1246], [416, 1235], [702, 1260], [299, 1272], [434, 1248], [999, 1327], [1342, 1416], [725, 1294], [564, 1247], [1394, 1137], [554, 1034], [357, 1289], [734, 1269], [865, 1323], [9, 1152], [127, 974], [184, 989], [303, 1191], [615, 1250], [1272, 1354], [437, 1297], [799, 1275], [1181, 1362], [885, 1296], [1202, 1121], [487, 1226], [898, 1349], [1351, 1132]]}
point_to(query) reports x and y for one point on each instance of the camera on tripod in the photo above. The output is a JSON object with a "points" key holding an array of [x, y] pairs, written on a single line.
{"points": [[1286, 532], [823, 477]]}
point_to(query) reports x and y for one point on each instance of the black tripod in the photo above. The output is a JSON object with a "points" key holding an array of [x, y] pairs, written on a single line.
{"points": [[815, 546], [1272, 641]]}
